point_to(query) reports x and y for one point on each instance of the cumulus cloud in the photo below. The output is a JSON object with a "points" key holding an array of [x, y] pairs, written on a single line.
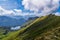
{"points": [[39, 5]]}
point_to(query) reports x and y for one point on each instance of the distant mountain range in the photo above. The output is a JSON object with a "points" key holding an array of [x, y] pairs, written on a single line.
{"points": [[10, 21]]}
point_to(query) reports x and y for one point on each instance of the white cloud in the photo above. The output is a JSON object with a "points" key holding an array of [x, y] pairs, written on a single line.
{"points": [[5, 12], [14, 12], [39, 5], [57, 14], [10, 12], [15, 28], [17, 10]]}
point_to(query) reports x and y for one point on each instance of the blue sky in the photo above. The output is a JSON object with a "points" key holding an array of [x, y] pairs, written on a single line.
{"points": [[25, 5], [10, 4]]}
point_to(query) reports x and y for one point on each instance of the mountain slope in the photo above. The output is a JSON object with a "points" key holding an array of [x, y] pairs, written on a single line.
{"points": [[38, 29]]}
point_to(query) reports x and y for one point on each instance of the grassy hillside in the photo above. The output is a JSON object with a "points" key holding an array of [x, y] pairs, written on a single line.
{"points": [[44, 28], [3, 32]]}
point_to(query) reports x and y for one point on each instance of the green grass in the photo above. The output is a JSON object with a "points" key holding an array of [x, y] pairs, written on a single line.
{"points": [[2, 33]]}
